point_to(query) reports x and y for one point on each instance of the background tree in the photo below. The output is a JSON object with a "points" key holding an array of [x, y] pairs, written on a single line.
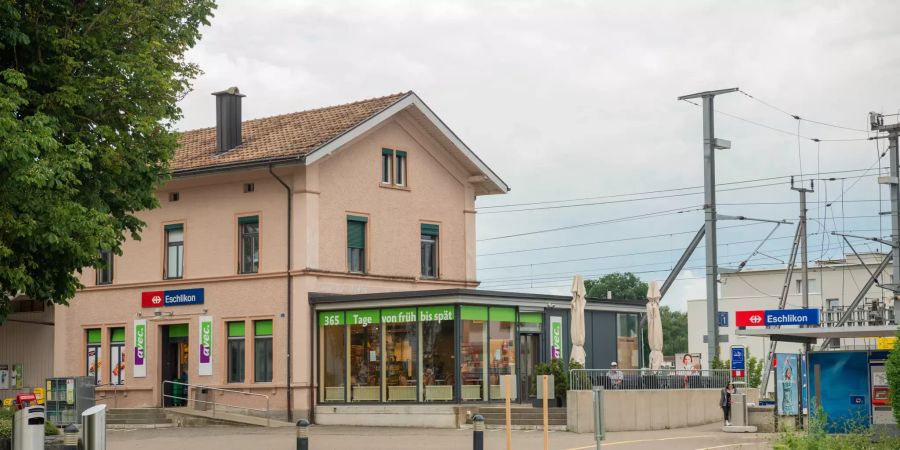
{"points": [[754, 372], [88, 94], [627, 286], [624, 286]]}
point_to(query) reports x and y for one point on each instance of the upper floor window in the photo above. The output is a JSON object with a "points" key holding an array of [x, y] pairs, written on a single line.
{"points": [[813, 286], [105, 271], [174, 251], [248, 228], [429, 243], [393, 167], [356, 243]]}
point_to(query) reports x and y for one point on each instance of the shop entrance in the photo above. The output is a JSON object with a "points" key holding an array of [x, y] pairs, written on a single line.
{"points": [[174, 358], [530, 345]]}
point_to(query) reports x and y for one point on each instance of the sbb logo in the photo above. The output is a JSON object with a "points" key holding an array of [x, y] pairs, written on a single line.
{"points": [[152, 299], [749, 318]]}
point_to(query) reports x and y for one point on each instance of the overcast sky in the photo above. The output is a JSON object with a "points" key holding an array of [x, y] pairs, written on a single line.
{"points": [[568, 100]]}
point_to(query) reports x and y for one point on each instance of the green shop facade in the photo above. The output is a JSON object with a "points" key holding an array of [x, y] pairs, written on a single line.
{"points": [[454, 346]]}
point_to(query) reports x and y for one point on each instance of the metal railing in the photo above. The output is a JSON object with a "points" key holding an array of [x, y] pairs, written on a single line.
{"points": [[199, 388], [868, 316], [586, 379]]}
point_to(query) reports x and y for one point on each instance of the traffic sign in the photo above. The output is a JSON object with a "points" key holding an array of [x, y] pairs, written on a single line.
{"points": [[723, 318]]}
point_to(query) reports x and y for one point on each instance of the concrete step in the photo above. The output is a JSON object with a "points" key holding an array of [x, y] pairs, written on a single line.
{"points": [[515, 417], [492, 409], [533, 422]]}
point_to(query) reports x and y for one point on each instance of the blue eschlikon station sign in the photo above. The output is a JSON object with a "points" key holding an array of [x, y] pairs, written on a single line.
{"points": [[738, 353], [772, 317]]}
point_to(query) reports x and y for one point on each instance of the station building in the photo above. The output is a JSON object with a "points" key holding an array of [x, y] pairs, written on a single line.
{"points": [[325, 257]]}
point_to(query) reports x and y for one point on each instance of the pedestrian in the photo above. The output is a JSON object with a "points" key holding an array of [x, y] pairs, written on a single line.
{"points": [[725, 402], [615, 376]]}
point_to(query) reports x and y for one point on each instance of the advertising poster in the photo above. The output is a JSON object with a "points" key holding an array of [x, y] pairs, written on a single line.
{"points": [[787, 386], [117, 359], [688, 363], [4, 376], [206, 339], [93, 362], [556, 337], [140, 348], [16, 377]]}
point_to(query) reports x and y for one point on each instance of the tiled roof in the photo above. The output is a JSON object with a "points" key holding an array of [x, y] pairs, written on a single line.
{"points": [[289, 135]]}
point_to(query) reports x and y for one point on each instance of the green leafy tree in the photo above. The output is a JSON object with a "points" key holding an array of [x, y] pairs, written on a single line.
{"points": [[675, 330], [624, 286], [754, 372], [892, 371], [88, 94]]}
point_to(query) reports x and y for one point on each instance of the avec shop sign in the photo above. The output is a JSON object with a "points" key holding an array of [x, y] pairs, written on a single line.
{"points": [[175, 297], [772, 317]]}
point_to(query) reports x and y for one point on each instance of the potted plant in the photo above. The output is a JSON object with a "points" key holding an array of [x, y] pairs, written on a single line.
{"points": [[560, 377]]}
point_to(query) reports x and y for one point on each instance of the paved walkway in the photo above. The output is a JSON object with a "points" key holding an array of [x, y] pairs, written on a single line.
{"points": [[347, 438]]}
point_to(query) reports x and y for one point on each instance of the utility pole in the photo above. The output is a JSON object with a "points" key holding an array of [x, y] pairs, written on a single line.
{"points": [[893, 180], [804, 261], [710, 145]]}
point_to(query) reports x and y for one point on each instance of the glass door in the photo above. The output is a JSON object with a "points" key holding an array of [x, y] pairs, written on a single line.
{"points": [[530, 345]]}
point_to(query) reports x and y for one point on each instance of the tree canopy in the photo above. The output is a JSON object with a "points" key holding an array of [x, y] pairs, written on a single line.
{"points": [[88, 94], [624, 286]]}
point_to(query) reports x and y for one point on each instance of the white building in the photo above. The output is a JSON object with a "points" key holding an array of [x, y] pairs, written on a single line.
{"points": [[833, 284]]}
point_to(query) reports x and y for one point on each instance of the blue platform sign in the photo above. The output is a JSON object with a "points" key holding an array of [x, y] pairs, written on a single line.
{"points": [[723, 318], [737, 358], [792, 317]]}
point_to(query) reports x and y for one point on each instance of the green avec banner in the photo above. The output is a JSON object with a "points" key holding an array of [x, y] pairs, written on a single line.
{"points": [[363, 317], [331, 318], [436, 313], [397, 315]]}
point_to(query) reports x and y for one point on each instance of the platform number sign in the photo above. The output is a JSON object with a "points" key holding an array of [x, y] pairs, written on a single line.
{"points": [[738, 358], [723, 318]]}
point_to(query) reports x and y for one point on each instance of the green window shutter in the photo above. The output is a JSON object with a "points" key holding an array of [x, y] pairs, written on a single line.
{"points": [[263, 327], [248, 220], [387, 151], [401, 153], [117, 335], [430, 229], [93, 336], [235, 329], [531, 317], [499, 314], [174, 226], [356, 233], [179, 330], [473, 312], [362, 219]]}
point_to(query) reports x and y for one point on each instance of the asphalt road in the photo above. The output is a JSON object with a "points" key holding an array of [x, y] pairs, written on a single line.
{"points": [[343, 438]]}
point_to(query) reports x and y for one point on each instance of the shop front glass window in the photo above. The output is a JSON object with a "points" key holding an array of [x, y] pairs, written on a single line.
{"points": [[117, 356], [401, 353], [502, 350], [365, 355], [332, 356], [438, 355], [472, 352], [93, 355], [627, 341]]}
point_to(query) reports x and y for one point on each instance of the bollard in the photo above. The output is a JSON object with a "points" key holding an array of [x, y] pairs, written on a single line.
{"points": [[70, 437], [302, 434], [478, 433]]}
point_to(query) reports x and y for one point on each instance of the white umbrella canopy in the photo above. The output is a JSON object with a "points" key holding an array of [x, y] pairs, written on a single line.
{"points": [[654, 326], [577, 323]]}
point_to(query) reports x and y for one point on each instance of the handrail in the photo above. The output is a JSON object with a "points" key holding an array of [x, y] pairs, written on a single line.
{"points": [[632, 379], [201, 386], [115, 387]]}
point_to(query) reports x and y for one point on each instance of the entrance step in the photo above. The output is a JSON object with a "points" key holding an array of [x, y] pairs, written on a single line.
{"points": [[523, 416]]}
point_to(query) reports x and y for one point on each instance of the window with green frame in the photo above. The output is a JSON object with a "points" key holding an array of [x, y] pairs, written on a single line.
{"points": [[248, 229], [356, 243], [117, 355], [429, 245], [262, 351], [92, 355], [236, 347]]}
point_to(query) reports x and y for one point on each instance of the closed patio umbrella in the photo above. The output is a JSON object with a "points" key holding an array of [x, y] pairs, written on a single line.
{"points": [[577, 323], [654, 326]]}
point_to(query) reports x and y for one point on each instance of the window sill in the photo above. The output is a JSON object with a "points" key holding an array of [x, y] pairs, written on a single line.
{"points": [[395, 187]]}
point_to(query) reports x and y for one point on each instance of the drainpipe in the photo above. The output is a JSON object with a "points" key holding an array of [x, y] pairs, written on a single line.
{"points": [[290, 292]]}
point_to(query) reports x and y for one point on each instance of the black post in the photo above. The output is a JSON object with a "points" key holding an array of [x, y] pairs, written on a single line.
{"points": [[303, 434], [478, 434]]}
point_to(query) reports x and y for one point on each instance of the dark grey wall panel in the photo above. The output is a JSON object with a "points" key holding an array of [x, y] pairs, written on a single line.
{"points": [[600, 339]]}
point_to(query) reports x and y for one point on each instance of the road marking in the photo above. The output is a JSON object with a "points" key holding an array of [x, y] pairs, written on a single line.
{"points": [[728, 446], [636, 441]]}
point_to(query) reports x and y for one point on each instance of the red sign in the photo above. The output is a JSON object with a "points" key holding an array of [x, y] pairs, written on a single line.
{"points": [[152, 299], [750, 318], [737, 374]]}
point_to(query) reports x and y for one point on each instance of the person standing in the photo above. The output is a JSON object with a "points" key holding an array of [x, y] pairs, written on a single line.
{"points": [[615, 376], [725, 402]]}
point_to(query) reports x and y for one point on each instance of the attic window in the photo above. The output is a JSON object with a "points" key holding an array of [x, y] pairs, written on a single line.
{"points": [[249, 187], [393, 167], [173, 196]]}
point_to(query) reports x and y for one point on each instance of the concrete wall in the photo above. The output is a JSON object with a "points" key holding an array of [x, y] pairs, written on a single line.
{"points": [[415, 416], [25, 341], [641, 410]]}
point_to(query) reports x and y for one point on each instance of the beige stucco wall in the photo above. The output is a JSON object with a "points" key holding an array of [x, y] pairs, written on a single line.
{"points": [[27, 339], [346, 182]]}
